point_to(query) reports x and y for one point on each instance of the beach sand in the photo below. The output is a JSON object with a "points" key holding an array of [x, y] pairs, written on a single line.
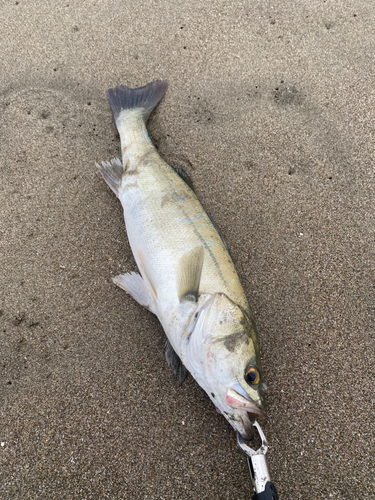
{"points": [[270, 110]]}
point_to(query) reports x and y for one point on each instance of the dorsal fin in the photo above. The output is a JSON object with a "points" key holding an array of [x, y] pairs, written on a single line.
{"points": [[184, 176], [219, 233]]}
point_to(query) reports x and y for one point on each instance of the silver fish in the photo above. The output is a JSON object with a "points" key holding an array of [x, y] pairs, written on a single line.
{"points": [[187, 277]]}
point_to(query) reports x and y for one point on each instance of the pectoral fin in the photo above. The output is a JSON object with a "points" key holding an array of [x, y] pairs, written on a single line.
{"points": [[189, 274], [135, 286]]}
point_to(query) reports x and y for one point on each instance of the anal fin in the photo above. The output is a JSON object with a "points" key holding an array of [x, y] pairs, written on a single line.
{"points": [[137, 287], [111, 172], [175, 362]]}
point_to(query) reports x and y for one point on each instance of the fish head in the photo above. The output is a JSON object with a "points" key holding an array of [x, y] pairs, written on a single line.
{"points": [[228, 361]]}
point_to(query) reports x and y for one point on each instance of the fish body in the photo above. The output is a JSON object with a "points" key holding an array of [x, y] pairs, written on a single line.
{"points": [[187, 277]]}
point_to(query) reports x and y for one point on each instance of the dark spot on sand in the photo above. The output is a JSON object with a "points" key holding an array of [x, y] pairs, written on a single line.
{"points": [[329, 24], [212, 394], [18, 320], [286, 95], [45, 114], [21, 343]]}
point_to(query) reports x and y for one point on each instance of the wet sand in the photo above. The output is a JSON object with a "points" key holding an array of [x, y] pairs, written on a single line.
{"points": [[270, 110]]}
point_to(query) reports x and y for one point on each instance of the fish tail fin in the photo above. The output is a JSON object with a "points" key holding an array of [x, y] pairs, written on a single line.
{"points": [[131, 109], [143, 99]]}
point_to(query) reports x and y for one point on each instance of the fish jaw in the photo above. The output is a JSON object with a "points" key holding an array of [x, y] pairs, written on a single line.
{"points": [[243, 424], [245, 411], [236, 400], [205, 358]]}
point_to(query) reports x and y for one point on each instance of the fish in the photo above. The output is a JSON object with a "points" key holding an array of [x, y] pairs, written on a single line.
{"points": [[186, 274]]}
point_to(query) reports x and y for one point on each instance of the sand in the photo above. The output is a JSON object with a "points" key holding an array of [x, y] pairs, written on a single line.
{"points": [[270, 110]]}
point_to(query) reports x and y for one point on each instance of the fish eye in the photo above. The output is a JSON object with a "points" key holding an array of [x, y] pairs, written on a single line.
{"points": [[252, 375]]}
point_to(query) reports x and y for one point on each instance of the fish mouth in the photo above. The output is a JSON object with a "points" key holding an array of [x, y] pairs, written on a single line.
{"points": [[245, 427], [247, 410], [240, 402]]}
